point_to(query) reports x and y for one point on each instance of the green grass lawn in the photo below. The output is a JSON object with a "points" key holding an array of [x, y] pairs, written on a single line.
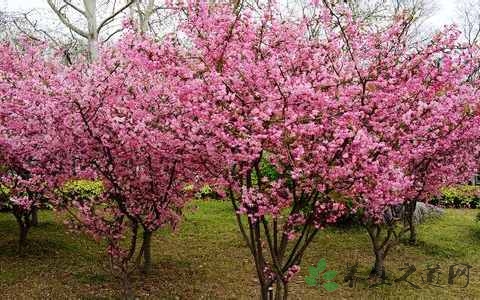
{"points": [[206, 259]]}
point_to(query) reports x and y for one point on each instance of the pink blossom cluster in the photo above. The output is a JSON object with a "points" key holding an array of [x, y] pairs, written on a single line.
{"points": [[294, 222], [292, 271], [24, 202], [256, 203], [328, 213]]}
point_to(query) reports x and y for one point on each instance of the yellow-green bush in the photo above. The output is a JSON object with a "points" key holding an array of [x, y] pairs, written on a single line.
{"points": [[82, 188], [459, 196], [4, 196]]}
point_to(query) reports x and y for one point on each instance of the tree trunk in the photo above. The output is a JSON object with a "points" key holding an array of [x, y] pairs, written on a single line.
{"points": [[411, 222], [281, 290], [378, 269], [127, 291], [91, 15], [93, 48], [24, 223], [144, 16], [264, 292], [278, 290], [22, 241], [147, 251], [34, 216]]}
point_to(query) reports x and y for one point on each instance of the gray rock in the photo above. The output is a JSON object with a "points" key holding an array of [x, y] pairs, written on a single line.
{"points": [[423, 211]]}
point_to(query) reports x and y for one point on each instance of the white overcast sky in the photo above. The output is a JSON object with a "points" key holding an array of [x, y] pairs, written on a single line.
{"points": [[447, 12], [446, 9]]}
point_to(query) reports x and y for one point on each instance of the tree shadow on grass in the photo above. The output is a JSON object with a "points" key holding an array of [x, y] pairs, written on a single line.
{"points": [[475, 232], [435, 250], [10, 227], [47, 239], [34, 248], [169, 277]]}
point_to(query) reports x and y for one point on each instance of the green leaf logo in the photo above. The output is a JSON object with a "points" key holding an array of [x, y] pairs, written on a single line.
{"points": [[311, 281], [313, 278], [330, 286], [313, 271], [329, 275], [322, 265]]}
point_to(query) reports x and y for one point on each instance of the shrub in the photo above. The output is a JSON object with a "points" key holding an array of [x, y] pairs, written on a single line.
{"points": [[4, 197], [207, 192], [467, 196], [82, 188]]}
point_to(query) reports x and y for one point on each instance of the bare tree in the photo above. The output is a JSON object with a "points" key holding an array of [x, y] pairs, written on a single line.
{"points": [[375, 13], [142, 11], [26, 24], [469, 13], [88, 10], [378, 10]]}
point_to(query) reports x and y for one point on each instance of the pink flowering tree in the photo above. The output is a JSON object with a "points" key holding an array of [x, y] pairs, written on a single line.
{"points": [[26, 141], [117, 121], [278, 117], [439, 134], [293, 125], [122, 126], [419, 104], [20, 197]]}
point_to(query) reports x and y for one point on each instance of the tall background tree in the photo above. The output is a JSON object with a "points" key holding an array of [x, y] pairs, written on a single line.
{"points": [[88, 10]]}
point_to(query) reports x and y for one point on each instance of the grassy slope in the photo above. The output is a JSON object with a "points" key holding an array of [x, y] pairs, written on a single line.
{"points": [[207, 259]]}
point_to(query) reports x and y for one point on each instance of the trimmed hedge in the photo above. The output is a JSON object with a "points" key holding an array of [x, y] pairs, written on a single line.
{"points": [[459, 196]]}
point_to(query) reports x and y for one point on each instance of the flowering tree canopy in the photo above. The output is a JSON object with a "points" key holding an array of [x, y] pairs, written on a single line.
{"points": [[123, 118], [116, 121], [27, 143]]}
